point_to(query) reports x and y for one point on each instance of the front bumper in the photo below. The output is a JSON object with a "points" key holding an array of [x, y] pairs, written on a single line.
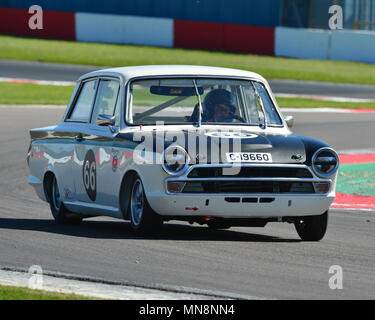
{"points": [[242, 202], [218, 205]]}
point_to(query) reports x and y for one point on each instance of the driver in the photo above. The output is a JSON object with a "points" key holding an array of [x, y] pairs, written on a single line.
{"points": [[219, 106]]}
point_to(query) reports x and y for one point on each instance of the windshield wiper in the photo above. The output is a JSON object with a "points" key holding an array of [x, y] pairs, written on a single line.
{"points": [[200, 104]]}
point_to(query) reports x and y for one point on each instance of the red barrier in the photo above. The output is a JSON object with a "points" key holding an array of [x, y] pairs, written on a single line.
{"points": [[224, 37], [249, 39], [187, 34], [198, 35], [56, 25]]}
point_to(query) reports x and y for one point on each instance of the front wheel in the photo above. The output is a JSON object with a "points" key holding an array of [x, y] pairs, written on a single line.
{"points": [[312, 228], [143, 219]]}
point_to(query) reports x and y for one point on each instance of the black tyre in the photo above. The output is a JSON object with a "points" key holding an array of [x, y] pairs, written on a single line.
{"points": [[312, 228], [143, 219], [59, 212]]}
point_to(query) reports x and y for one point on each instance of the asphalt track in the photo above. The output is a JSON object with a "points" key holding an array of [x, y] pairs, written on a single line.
{"points": [[62, 72], [268, 262]]}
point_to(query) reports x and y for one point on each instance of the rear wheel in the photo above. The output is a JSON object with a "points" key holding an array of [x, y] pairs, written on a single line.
{"points": [[59, 212], [143, 219], [312, 228]]}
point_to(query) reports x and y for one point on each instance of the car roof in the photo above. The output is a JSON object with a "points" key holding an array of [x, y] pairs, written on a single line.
{"points": [[171, 70]]}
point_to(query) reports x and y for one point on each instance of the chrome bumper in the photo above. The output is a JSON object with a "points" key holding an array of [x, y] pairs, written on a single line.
{"points": [[243, 205], [217, 205]]}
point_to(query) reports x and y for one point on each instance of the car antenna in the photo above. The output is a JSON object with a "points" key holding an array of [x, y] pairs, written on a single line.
{"points": [[199, 102]]}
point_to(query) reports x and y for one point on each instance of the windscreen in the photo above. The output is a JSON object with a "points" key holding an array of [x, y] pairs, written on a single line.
{"points": [[223, 101]]}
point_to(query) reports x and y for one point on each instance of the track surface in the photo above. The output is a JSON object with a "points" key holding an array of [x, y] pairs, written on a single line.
{"points": [[59, 72], [267, 262]]}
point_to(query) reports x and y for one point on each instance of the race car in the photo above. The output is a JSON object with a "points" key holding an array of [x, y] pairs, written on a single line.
{"points": [[199, 144]]}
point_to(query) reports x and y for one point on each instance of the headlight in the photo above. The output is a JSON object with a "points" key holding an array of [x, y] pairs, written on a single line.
{"points": [[175, 160], [325, 162]]}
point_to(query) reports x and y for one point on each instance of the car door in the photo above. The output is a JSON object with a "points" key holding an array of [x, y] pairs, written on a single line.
{"points": [[96, 151], [78, 119]]}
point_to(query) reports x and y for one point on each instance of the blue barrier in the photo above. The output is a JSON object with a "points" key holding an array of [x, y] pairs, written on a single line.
{"points": [[256, 12]]}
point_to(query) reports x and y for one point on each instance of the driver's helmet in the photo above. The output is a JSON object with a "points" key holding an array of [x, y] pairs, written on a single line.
{"points": [[219, 97]]}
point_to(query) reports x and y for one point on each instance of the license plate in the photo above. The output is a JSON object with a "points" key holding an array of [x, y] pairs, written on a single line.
{"points": [[248, 157]]}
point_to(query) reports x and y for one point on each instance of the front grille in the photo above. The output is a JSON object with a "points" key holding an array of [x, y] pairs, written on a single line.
{"points": [[251, 172], [249, 179], [248, 187]]}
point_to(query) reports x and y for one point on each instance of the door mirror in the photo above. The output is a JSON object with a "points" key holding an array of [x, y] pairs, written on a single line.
{"points": [[289, 121], [105, 120]]}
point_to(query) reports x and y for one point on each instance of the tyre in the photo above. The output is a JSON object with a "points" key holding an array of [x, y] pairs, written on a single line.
{"points": [[59, 212], [143, 219], [312, 228]]}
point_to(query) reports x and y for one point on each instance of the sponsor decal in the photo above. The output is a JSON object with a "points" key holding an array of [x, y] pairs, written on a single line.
{"points": [[68, 193], [297, 157], [115, 159], [231, 135]]}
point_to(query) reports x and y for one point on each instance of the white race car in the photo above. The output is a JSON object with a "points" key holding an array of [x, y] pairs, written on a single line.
{"points": [[208, 145]]}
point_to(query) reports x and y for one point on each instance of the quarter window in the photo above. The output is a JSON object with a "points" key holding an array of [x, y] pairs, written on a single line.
{"points": [[106, 98], [83, 106]]}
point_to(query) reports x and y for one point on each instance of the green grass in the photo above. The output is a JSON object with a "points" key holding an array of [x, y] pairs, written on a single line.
{"points": [[22, 94], [18, 293], [26, 93], [312, 103], [99, 54]]}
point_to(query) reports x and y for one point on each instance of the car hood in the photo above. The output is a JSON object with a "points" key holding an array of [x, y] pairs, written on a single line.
{"points": [[211, 146], [283, 148]]}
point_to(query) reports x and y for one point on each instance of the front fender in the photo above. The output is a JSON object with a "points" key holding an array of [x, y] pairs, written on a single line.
{"points": [[311, 146]]}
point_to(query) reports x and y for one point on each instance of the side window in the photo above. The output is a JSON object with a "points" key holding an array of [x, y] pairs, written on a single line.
{"points": [[83, 106], [106, 99]]}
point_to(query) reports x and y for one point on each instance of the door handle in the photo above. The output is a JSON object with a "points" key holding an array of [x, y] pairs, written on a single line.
{"points": [[79, 138]]}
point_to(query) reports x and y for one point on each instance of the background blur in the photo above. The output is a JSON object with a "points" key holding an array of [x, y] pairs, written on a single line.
{"points": [[290, 28]]}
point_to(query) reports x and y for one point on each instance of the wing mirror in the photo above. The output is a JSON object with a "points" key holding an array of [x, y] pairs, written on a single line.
{"points": [[289, 121], [105, 120]]}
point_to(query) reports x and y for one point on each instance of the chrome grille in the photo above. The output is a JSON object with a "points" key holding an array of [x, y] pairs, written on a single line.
{"points": [[247, 179], [252, 172], [248, 187]]}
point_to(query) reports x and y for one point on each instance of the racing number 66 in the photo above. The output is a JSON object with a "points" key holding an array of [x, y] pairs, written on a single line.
{"points": [[89, 174]]}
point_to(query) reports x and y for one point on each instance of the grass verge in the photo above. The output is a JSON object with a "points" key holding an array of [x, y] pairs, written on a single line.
{"points": [[18, 293], [100, 54], [312, 103], [26, 93]]}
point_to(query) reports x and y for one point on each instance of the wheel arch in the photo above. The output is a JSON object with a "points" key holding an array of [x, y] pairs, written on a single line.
{"points": [[124, 194], [47, 182], [311, 146]]}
